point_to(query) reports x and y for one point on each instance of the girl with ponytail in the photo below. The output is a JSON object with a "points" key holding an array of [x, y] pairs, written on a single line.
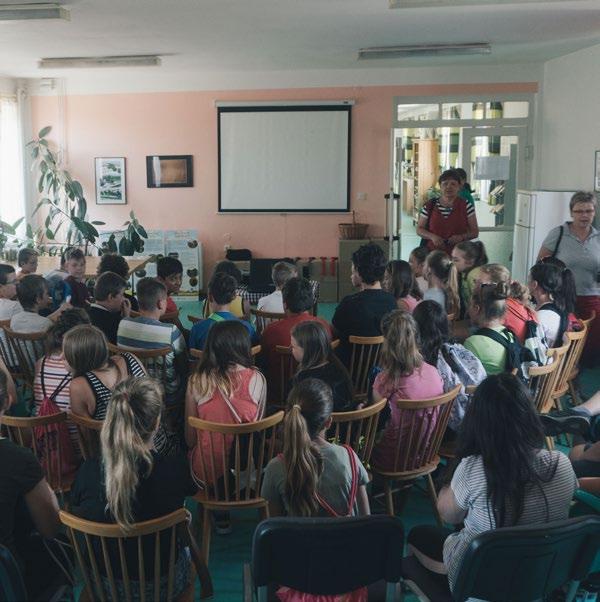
{"points": [[130, 482], [442, 277], [313, 477], [468, 256]]}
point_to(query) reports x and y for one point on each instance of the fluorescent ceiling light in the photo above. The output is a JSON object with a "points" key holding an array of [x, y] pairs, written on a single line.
{"points": [[452, 3], [144, 60], [27, 12], [416, 50]]}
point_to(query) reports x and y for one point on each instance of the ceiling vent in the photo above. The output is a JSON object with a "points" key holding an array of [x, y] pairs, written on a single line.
{"points": [[143, 60], [418, 50], [28, 12]]}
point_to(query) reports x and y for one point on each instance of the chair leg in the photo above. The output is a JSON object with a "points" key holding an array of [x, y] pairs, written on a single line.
{"points": [[389, 497], [206, 531], [433, 497], [574, 394], [549, 443], [263, 512]]}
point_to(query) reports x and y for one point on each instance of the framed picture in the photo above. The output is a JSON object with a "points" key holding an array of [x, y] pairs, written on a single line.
{"points": [[597, 172], [169, 171], [110, 181]]}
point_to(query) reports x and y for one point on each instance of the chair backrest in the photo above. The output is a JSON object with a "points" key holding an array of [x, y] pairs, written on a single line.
{"points": [[421, 427], [12, 587], [358, 429], [88, 433], [543, 379], [585, 325], [287, 368], [27, 349], [237, 456], [364, 355], [327, 556], [152, 359], [575, 341], [529, 562], [6, 352], [38, 434], [111, 560], [264, 318]]}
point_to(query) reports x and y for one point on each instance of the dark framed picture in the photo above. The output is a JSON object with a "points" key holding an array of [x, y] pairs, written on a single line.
{"points": [[110, 181], [169, 171]]}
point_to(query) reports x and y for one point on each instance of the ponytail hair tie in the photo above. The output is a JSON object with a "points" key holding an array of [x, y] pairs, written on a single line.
{"points": [[297, 406]]}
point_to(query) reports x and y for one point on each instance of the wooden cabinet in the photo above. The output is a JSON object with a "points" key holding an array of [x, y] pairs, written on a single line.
{"points": [[426, 168]]}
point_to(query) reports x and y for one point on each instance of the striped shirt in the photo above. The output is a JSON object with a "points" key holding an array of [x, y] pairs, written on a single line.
{"points": [[445, 211], [147, 333], [542, 504]]}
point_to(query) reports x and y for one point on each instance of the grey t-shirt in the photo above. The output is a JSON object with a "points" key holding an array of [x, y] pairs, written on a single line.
{"points": [[582, 258], [437, 295], [29, 321], [469, 486], [334, 484]]}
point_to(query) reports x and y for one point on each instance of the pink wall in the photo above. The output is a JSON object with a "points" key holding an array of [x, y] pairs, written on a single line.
{"points": [[136, 125]]}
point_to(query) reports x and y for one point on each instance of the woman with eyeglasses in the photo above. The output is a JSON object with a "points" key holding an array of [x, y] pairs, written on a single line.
{"points": [[577, 244]]}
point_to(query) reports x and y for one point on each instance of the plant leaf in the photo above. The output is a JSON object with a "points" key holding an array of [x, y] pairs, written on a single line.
{"points": [[142, 231], [98, 223], [45, 131], [125, 247], [18, 222], [49, 234]]}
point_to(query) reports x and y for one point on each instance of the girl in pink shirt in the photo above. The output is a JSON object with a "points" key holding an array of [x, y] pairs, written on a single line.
{"points": [[400, 281], [405, 375]]}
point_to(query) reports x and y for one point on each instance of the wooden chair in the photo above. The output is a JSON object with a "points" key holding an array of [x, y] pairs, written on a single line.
{"points": [[543, 379], [364, 355], [264, 318], [6, 352], [88, 433], [233, 471], [358, 429], [287, 368], [573, 340], [108, 558], [152, 359], [47, 448], [575, 372], [422, 424], [448, 448], [27, 349]]}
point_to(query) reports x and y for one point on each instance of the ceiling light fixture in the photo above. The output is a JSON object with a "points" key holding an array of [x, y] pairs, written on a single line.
{"points": [[417, 50], [28, 12], [76, 62]]}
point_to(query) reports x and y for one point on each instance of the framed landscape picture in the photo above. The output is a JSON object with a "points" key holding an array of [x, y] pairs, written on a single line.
{"points": [[110, 181], [169, 171]]}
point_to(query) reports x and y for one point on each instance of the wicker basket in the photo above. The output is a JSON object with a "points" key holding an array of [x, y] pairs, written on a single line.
{"points": [[353, 231]]}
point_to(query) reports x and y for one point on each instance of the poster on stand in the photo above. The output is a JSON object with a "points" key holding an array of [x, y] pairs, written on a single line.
{"points": [[184, 245], [153, 245]]}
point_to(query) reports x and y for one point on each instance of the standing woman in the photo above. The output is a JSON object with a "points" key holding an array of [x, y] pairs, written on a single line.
{"points": [[448, 219], [577, 244], [400, 281]]}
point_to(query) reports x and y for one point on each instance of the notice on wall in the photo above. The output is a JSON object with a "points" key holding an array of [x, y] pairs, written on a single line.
{"points": [[184, 245]]}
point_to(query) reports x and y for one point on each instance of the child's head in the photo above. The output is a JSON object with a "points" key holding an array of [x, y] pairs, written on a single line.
{"points": [[462, 174], [400, 280], [112, 262], [222, 289], [310, 404], [32, 292], [545, 279], [8, 281], [417, 260], [568, 290], [441, 271], [297, 295], [151, 295], [469, 254], [433, 329], [488, 303], [75, 264], [85, 349], [67, 320], [493, 272], [400, 355], [170, 272], [282, 271], [28, 260], [311, 345], [227, 345], [132, 419], [228, 267], [109, 291], [368, 264]]}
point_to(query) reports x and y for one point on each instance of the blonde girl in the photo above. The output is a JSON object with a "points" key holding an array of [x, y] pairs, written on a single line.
{"points": [[405, 375], [442, 277]]}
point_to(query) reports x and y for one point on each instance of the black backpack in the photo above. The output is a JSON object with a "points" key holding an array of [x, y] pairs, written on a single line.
{"points": [[564, 322], [517, 357]]}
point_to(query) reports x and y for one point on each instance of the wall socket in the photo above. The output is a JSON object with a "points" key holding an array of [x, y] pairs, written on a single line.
{"points": [[361, 196]]}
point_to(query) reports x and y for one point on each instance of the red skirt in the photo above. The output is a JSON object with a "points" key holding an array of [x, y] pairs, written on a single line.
{"points": [[584, 308]]}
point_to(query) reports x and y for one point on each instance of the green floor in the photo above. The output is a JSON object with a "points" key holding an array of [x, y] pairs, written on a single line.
{"points": [[229, 552]]}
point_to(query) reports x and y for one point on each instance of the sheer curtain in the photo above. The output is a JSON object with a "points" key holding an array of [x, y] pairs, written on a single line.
{"points": [[12, 193]]}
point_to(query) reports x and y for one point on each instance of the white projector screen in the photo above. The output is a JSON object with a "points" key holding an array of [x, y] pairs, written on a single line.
{"points": [[284, 158]]}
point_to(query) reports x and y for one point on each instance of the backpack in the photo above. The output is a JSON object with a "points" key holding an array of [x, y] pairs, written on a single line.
{"points": [[536, 342], [564, 322], [518, 357], [54, 446]]}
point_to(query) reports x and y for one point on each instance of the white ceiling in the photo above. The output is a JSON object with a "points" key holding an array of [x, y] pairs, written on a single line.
{"points": [[201, 38]]}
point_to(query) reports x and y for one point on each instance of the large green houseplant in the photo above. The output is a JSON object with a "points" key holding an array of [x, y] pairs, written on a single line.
{"points": [[67, 211]]}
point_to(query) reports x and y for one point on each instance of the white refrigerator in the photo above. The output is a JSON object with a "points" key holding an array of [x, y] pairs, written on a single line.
{"points": [[538, 211]]}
